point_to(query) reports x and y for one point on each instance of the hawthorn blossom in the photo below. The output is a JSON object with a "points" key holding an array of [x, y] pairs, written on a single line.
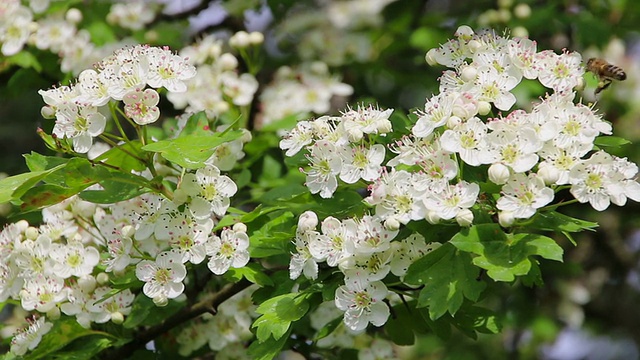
{"points": [[106, 306], [80, 124], [437, 111], [332, 246], [163, 277], [408, 250], [359, 162], [42, 293], [362, 303], [141, 107], [74, 259], [469, 139], [29, 338], [523, 194], [168, 70], [325, 165], [228, 250], [396, 197], [15, 30], [206, 191], [455, 198], [559, 72], [297, 138]]}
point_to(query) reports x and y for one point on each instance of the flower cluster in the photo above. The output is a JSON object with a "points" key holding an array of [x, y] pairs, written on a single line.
{"points": [[122, 76], [364, 251], [218, 86], [529, 156]]}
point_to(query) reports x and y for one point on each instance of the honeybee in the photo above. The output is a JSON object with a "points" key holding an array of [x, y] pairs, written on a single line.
{"points": [[605, 72]]}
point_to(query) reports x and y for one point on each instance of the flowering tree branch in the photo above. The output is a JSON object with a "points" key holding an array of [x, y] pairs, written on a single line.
{"points": [[207, 305]]}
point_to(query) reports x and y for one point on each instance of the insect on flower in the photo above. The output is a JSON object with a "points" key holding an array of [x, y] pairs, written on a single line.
{"points": [[605, 72]]}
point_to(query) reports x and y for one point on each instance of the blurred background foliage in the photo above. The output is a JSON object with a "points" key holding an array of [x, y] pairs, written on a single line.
{"points": [[588, 307]]}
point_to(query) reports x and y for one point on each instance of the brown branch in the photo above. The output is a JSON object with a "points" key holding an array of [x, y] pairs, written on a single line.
{"points": [[208, 304]]}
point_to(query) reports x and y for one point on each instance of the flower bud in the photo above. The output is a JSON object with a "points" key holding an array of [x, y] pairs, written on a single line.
{"points": [[505, 3], [239, 40], [430, 57], [504, 15], [161, 301], [47, 112], [256, 38], [128, 231], [354, 135], [392, 224], [228, 61], [246, 136], [474, 45], [499, 173], [73, 16], [384, 127], [239, 228], [465, 32], [469, 73], [102, 278], [549, 174], [87, 283], [484, 108], [308, 221], [432, 217], [464, 217], [453, 122], [31, 233], [520, 32], [580, 85], [117, 318], [506, 219]]}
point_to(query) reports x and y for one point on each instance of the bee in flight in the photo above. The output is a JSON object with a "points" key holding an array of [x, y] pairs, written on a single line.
{"points": [[605, 72]]}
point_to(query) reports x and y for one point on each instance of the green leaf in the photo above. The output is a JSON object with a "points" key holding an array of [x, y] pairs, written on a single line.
{"points": [[37, 162], [278, 313], [191, 151], [144, 312], [504, 256], [120, 157], [117, 187], [9, 185], [472, 319], [328, 328], [252, 272], [448, 277], [400, 327], [25, 59], [610, 141], [267, 349], [64, 331], [557, 222], [101, 33]]}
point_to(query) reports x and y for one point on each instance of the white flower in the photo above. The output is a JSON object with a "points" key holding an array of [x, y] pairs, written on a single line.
{"points": [[469, 140], [239, 88], [92, 90], [132, 15], [163, 277], [29, 338], [297, 138], [522, 53], [15, 30], [437, 111], [168, 70], [378, 349], [141, 107], [208, 190], [74, 259], [332, 244], [366, 120], [119, 253], [522, 195], [395, 195], [363, 304], [42, 293], [514, 148], [228, 250], [79, 123], [407, 251], [359, 162], [494, 87], [559, 72], [453, 199], [325, 165], [302, 262], [105, 307]]}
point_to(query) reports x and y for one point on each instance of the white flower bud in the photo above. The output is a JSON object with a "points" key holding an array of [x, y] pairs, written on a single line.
{"points": [[474, 45], [246, 136], [319, 67], [87, 283], [469, 73], [432, 217], [522, 11], [453, 122], [308, 221], [31, 233], [128, 231], [505, 3], [161, 301], [102, 278], [520, 32], [464, 31], [228, 61], [392, 224], [151, 36], [22, 225], [33, 27], [239, 40], [239, 228], [384, 127], [549, 174], [464, 217], [117, 318], [54, 313], [505, 218], [354, 135], [484, 108], [499, 173], [47, 112], [430, 57], [256, 38], [73, 16], [581, 84]]}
